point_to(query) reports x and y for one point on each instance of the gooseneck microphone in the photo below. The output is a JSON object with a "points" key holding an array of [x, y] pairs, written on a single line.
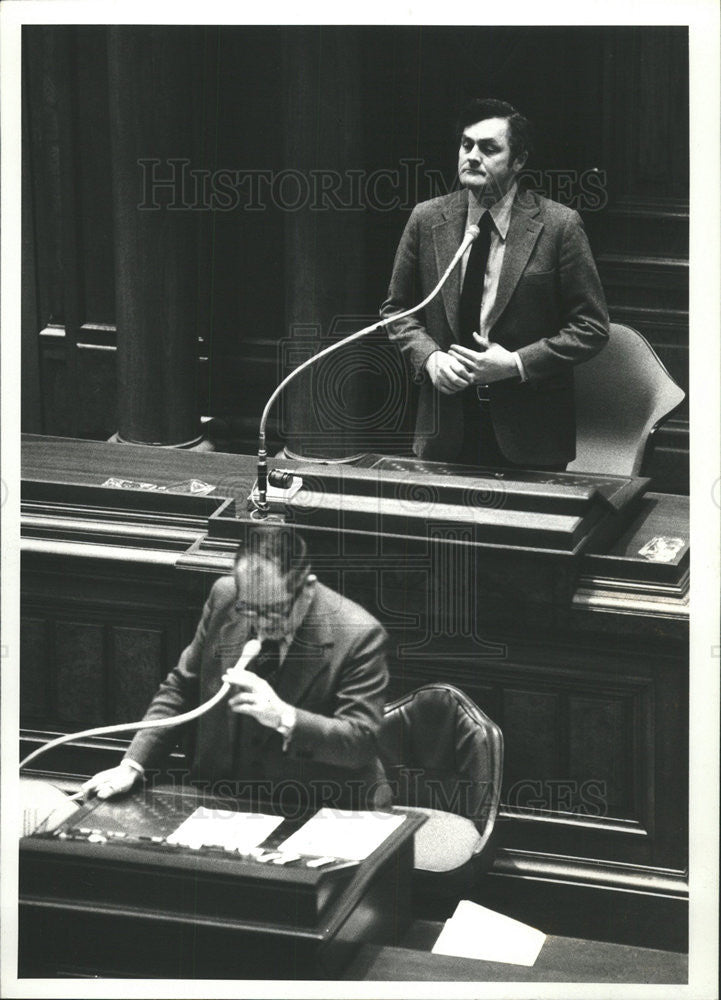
{"points": [[261, 504], [248, 653]]}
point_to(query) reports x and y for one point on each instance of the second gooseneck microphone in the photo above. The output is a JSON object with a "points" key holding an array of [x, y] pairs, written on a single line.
{"points": [[261, 503]]}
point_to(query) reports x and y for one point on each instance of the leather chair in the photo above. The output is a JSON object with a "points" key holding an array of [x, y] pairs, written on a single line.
{"points": [[623, 395], [443, 755]]}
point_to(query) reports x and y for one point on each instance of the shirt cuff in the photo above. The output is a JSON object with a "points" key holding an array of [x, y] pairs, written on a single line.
{"points": [[423, 370], [287, 725], [135, 766], [519, 366]]}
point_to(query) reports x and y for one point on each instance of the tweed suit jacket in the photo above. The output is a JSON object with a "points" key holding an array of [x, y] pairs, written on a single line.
{"points": [[549, 307], [334, 672]]}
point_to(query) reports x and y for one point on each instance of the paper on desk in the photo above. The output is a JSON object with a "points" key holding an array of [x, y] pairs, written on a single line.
{"points": [[343, 833], [234, 831], [476, 932], [43, 806]]}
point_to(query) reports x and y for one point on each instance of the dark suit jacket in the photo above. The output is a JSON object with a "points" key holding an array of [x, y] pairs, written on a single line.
{"points": [[334, 672], [549, 307]]}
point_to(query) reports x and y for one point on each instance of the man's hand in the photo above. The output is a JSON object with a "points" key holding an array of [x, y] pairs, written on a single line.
{"points": [[447, 373], [114, 781], [255, 697], [491, 363]]}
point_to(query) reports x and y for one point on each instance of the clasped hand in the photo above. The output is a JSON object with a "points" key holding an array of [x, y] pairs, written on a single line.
{"points": [[252, 695], [460, 367]]}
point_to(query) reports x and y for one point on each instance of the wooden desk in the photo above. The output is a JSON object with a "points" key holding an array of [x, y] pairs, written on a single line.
{"points": [[122, 901], [590, 686], [561, 960]]}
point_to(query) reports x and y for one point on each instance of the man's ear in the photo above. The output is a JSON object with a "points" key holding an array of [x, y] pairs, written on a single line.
{"points": [[520, 162]]}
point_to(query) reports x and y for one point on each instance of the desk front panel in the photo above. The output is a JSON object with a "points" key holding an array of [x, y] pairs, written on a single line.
{"points": [[591, 694]]}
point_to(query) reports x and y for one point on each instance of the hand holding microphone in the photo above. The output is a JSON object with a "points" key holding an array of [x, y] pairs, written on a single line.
{"points": [[248, 654], [253, 695]]}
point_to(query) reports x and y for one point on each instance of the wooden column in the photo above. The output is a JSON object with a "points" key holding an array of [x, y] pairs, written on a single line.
{"points": [[154, 75], [324, 239]]}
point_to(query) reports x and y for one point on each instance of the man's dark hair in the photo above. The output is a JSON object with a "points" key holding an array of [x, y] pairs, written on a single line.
{"points": [[519, 128], [282, 547]]}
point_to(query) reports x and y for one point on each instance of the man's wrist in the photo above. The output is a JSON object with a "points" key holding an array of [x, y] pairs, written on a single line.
{"points": [[134, 765]]}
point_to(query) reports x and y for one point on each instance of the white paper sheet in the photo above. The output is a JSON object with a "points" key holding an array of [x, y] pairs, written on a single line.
{"points": [[474, 931], [234, 831], [43, 806], [342, 833]]}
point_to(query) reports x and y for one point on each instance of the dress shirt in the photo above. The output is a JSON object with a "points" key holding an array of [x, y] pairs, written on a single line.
{"points": [[300, 610], [501, 214]]}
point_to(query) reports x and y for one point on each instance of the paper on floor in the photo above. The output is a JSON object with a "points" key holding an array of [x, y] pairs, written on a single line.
{"points": [[474, 931]]}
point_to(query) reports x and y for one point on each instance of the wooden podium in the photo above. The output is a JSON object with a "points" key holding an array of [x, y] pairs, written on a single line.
{"points": [[108, 893], [558, 603]]}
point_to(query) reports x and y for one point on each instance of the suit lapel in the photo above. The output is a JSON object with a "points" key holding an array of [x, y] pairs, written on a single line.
{"points": [[307, 657], [447, 235], [523, 232]]}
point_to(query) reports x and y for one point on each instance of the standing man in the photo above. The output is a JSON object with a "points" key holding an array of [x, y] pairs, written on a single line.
{"points": [[306, 711], [494, 352]]}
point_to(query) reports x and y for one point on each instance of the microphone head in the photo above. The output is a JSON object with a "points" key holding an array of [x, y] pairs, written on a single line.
{"points": [[473, 232], [249, 652], [251, 649]]}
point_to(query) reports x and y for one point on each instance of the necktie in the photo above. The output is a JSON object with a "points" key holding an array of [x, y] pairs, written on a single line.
{"points": [[472, 292], [267, 662]]}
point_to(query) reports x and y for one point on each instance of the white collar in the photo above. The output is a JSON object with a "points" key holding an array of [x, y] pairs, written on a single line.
{"points": [[500, 211]]}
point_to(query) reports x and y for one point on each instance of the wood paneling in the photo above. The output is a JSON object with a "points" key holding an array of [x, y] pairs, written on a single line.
{"points": [[137, 659], [534, 755], [601, 749], [594, 734], [80, 688], [641, 238], [610, 99], [581, 730], [592, 696], [35, 704]]}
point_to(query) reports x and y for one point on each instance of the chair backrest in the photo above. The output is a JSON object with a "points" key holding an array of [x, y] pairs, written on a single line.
{"points": [[441, 751], [622, 395]]}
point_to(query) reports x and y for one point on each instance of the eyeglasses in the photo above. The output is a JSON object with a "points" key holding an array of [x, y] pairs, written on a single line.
{"points": [[267, 611], [270, 612]]}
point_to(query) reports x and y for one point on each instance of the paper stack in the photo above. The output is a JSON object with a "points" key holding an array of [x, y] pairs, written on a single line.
{"points": [[234, 831], [474, 931], [342, 833]]}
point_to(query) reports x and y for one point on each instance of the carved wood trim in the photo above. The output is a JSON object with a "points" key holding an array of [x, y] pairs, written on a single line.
{"points": [[594, 871]]}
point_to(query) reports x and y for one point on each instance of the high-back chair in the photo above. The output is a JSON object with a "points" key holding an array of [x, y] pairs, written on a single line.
{"points": [[623, 394], [443, 754]]}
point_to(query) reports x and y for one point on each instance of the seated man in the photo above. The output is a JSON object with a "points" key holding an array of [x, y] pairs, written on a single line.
{"points": [[302, 719]]}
